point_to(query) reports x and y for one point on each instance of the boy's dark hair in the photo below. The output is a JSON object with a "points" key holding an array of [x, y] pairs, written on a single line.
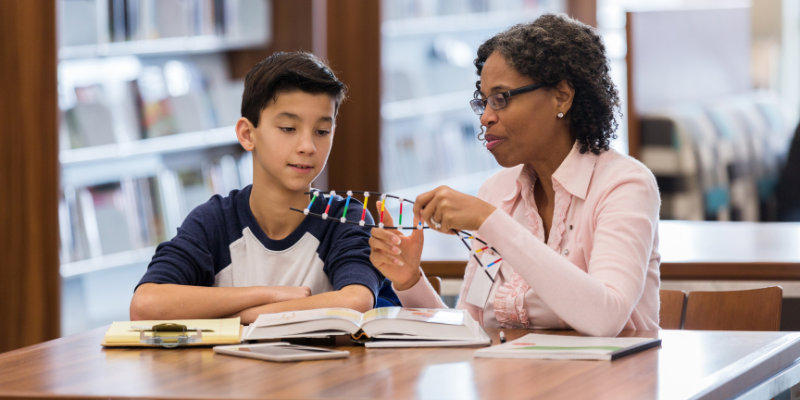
{"points": [[287, 72]]}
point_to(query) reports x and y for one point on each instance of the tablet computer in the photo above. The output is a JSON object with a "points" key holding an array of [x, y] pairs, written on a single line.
{"points": [[280, 352]]}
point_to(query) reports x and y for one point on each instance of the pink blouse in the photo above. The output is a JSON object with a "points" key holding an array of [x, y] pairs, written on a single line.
{"points": [[598, 273]]}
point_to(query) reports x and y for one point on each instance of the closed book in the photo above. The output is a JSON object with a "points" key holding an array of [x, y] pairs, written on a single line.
{"points": [[77, 22], [93, 124], [397, 326], [215, 331], [555, 347]]}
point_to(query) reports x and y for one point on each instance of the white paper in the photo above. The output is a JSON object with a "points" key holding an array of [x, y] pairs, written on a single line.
{"points": [[487, 259], [481, 283], [479, 289]]}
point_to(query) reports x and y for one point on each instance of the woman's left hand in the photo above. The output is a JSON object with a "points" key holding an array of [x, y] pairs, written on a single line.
{"points": [[451, 209]]}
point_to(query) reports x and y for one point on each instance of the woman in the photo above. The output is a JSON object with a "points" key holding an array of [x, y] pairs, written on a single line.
{"points": [[575, 222]]}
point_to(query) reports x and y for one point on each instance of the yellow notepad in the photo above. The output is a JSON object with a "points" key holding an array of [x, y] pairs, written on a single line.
{"points": [[225, 331]]}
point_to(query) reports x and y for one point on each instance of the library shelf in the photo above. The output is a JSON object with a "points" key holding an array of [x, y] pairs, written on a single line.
{"points": [[427, 105], [122, 259], [163, 46], [178, 142], [456, 23]]}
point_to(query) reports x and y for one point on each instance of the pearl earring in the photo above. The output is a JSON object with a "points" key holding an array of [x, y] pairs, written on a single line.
{"points": [[560, 115]]}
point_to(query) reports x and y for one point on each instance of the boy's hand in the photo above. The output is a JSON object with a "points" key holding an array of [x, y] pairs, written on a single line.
{"points": [[277, 294], [396, 255]]}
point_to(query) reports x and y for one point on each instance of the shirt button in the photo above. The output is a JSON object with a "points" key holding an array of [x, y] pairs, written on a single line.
{"points": [[566, 252]]}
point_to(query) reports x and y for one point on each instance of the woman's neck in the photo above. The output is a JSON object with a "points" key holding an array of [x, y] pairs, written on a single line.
{"points": [[270, 203], [543, 168]]}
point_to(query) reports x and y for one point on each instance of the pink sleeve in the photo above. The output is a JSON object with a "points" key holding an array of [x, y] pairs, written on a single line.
{"points": [[421, 295], [600, 302]]}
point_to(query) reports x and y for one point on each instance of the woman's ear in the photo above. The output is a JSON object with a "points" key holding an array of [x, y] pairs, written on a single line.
{"points": [[244, 132], [564, 94]]}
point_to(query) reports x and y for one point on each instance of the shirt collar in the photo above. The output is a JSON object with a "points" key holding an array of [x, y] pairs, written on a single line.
{"points": [[576, 171], [512, 195]]}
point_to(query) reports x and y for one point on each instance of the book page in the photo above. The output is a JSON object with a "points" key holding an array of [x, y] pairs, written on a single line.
{"points": [[432, 315], [291, 317]]}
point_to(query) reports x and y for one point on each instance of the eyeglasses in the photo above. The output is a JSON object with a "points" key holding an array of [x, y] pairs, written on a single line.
{"points": [[498, 100]]}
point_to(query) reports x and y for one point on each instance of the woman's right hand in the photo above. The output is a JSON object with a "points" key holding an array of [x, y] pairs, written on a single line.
{"points": [[396, 255]]}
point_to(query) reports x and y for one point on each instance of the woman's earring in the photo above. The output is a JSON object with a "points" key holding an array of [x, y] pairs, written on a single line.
{"points": [[560, 115]]}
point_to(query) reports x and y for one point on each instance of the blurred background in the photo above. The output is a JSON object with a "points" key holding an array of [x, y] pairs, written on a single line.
{"points": [[135, 102]]}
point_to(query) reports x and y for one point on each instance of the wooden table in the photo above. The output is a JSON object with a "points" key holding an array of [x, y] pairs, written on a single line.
{"points": [[690, 250], [690, 364]]}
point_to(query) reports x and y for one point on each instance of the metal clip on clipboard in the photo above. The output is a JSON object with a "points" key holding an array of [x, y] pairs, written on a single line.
{"points": [[170, 341]]}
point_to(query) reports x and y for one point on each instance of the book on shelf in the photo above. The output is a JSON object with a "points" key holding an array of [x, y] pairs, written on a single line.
{"points": [[384, 327], [150, 210], [555, 347], [192, 112], [224, 175], [160, 101], [73, 237], [412, 9], [90, 125], [134, 213], [155, 110], [226, 100], [77, 22], [110, 218], [172, 18], [87, 22]]}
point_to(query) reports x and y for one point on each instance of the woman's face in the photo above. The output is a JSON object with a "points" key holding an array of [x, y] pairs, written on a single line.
{"points": [[526, 129]]}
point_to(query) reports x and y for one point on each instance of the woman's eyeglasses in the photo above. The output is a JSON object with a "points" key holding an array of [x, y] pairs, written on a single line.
{"points": [[498, 100]]}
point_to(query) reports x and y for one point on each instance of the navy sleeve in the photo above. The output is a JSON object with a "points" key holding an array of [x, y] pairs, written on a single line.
{"points": [[188, 259], [347, 262]]}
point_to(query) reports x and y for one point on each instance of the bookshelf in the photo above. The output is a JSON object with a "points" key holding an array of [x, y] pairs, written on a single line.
{"points": [[146, 133], [434, 104], [160, 47], [428, 131], [175, 143], [106, 262], [456, 23]]}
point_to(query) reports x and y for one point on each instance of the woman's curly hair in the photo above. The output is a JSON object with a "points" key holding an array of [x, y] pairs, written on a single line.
{"points": [[556, 48]]}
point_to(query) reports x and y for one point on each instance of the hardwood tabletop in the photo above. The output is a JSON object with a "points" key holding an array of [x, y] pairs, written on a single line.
{"points": [[689, 364], [689, 250]]}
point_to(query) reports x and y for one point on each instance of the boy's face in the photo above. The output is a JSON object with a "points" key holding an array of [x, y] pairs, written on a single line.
{"points": [[293, 139]]}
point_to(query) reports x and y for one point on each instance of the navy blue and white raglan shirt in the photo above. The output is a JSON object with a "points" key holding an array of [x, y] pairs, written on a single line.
{"points": [[221, 244]]}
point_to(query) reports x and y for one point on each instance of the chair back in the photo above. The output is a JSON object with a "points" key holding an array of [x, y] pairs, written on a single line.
{"points": [[738, 310], [673, 306], [436, 282]]}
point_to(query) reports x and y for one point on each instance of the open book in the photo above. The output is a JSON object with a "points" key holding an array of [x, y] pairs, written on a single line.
{"points": [[556, 347], [387, 326]]}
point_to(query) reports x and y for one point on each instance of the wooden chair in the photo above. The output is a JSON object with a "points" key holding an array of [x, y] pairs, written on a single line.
{"points": [[739, 310], [673, 306], [436, 282]]}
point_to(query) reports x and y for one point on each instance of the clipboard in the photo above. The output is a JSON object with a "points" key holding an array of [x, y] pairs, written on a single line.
{"points": [[170, 334]]}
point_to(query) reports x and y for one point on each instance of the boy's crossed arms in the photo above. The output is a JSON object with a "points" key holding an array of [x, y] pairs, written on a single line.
{"points": [[158, 301]]}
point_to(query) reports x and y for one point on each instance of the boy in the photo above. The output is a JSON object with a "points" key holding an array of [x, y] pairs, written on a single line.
{"points": [[248, 254]]}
